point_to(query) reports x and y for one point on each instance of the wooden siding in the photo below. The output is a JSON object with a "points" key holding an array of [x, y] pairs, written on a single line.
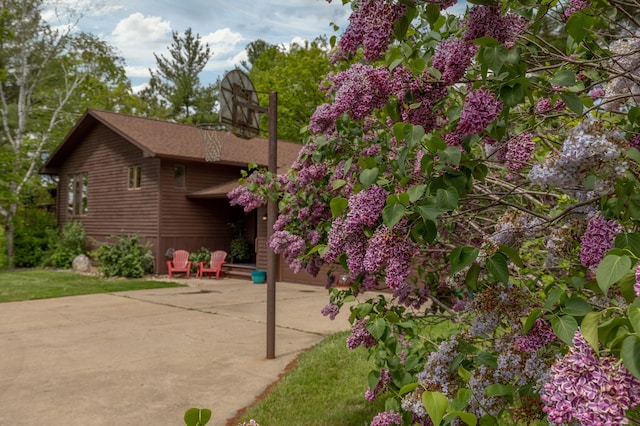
{"points": [[190, 224], [113, 209], [159, 212]]}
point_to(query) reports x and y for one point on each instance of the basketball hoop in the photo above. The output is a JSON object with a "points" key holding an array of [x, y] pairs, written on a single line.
{"points": [[212, 138]]}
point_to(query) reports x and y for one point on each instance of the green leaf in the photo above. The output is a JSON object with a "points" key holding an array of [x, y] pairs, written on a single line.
{"points": [[630, 241], [447, 199], [578, 26], [497, 266], [531, 320], [468, 418], [564, 78], [338, 183], [633, 312], [494, 56], [471, 280], [573, 102], [513, 255], [576, 306], [416, 192], [369, 176], [429, 211], [589, 329], [197, 416], [499, 390], [392, 214], [436, 404], [565, 327], [432, 13], [512, 96], [338, 206], [630, 354], [610, 270], [461, 257], [408, 388], [377, 328]]}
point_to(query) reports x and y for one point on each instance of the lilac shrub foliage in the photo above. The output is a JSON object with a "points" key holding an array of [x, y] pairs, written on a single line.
{"points": [[481, 166]]}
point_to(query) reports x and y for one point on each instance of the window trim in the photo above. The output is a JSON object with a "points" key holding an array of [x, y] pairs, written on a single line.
{"points": [[78, 194], [134, 178]]}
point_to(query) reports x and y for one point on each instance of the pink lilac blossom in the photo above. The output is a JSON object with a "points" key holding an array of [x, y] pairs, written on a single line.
{"points": [[241, 196], [393, 252], [519, 150], [444, 4], [537, 337], [635, 142], [596, 93], [365, 208], [360, 336], [331, 310], [370, 26], [452, 58], [636, 286], [543, 106], [559, 105], [575, 6], [387, 418], [385, 379], [589, 389], [479, 109], [290, 245], [486, 21], [418, 95], [598, 239]]}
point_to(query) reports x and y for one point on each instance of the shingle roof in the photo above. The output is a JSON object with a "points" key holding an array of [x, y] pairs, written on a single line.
{"points": [[165, 139]]}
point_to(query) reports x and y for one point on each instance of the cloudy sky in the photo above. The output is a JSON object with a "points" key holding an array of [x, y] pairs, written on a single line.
{"points": [[140, 28]]}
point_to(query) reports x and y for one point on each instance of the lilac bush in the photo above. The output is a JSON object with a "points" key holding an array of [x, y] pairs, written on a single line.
{"points": [[486, 178]]}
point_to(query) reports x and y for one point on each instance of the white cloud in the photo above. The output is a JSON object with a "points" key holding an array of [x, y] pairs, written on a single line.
{"points": [[137, 71], [223, 42], [137, 28]]}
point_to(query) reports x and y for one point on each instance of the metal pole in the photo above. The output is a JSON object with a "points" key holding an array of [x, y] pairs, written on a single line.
{"points": [[272, 212]]}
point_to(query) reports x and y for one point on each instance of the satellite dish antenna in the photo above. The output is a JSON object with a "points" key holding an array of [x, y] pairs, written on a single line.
{"points": [[239, 105]]}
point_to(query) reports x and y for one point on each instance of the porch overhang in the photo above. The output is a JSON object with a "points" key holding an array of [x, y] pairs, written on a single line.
{"points": [[216, 191]]}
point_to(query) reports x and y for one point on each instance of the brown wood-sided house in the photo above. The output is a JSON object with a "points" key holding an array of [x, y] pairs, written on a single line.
{"points": [[123, 175]]}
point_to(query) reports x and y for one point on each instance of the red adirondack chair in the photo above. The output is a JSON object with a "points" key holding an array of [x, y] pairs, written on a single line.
{"points": [[215, 264], [180, 263]]}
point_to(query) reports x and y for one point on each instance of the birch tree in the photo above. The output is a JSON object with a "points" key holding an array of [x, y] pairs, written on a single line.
{"points": [[48, 76]]}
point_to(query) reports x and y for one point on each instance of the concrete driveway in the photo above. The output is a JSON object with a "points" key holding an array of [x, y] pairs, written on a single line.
{"points": [[145, 357]]}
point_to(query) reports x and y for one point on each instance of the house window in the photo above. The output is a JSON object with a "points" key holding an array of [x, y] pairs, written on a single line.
{"points": [[179, 178], [135, 177], [78, 194]]}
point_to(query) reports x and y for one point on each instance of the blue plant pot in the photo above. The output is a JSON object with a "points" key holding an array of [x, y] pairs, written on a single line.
{"points": [[259, 276]]}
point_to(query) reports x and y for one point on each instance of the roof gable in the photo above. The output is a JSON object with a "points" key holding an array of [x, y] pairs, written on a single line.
{"points": [[164, 139]]}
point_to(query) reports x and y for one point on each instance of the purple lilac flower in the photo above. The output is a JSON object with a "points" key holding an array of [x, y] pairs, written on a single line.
{"points": [[518, 151], [636, 286], [365, 208], [290, 245], [589, 389], [331, 310], [537, 337], [480, 108], [370, 26], [385, 379], [387, 418], [357, 91], [559, 105], [241, 196], [444, 4], [575, 6], [598, 239], [360, 336], [596, 93], [391, 251], [635, 142], [452, 58], [543, 106], [486, 21], [424, 90]]}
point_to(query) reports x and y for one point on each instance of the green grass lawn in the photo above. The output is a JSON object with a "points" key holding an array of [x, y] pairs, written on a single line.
{"points": [[44, 284], [325, 388]]}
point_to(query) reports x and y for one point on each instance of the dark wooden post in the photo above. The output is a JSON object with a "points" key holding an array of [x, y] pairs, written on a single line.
{"points": [[272, 213]]}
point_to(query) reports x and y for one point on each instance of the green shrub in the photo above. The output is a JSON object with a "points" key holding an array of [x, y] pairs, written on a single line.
{"points": [[240, 250], [202, 255], [67, 244], [125, 258], [32, 241]]}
